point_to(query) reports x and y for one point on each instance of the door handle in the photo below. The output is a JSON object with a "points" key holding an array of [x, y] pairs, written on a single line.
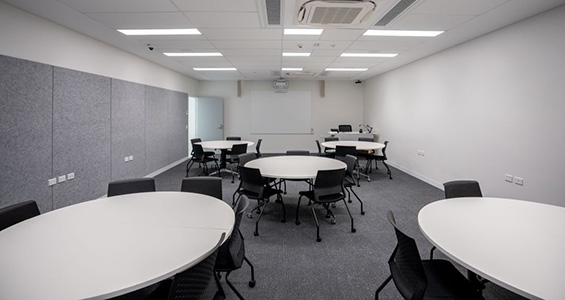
{"points": [[221, 126]]}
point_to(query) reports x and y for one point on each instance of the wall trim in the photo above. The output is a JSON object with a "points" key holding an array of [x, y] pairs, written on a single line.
{"points": [[425, 179], [166, 168]]}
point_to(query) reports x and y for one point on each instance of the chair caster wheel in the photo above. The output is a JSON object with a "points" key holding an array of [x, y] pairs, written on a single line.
{"points": [[349, 201], [333, 222], [250, 216], [283, 221], [353, 230], [256, 233], [368, 179], [318, 240], [252, 283], [363, 213], [297, 222], [258, 211]]}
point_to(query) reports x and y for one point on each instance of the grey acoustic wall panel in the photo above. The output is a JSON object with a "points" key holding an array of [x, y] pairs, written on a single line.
{"points": [[156, 114], [128, 129], [25, 132], [81, 135], [178, 120]]}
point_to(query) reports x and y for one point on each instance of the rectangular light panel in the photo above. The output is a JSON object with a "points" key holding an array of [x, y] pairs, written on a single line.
{"points": [[369, 54], [193, 54], [291, 69], [413, 33], [296, 53], [347, 69], [188, 31], [214, 69], [290, 31]]}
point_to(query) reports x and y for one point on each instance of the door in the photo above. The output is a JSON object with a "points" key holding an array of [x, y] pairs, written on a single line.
{"points": [[209, 118]]}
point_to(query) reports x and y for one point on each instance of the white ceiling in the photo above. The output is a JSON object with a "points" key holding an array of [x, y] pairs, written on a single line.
{"points": [[237, 29]]}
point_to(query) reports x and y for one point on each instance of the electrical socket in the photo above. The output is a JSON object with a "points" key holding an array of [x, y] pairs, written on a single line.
{"points": [[126, 159], [508, 177], [61, 178], [70, 176], [130, 157], [519, 180], [52, 181]]}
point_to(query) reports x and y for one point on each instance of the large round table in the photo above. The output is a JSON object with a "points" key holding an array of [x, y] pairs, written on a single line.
{"points": [[110, 246], [294, 166], [516, 244], [223, 146]]}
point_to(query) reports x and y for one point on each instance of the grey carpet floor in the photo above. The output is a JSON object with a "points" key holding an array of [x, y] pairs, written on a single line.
{"points": [[290, 264]]}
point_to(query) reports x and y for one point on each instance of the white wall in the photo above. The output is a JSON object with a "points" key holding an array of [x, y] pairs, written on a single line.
{"points": [[26, 36], [492, 106], [342, 104]]}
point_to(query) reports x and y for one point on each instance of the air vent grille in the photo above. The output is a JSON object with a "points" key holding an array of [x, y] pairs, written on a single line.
{"points": [[273, 8], [399, 8], [335, 15]]}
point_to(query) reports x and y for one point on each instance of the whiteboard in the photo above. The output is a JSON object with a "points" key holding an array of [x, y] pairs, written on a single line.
{"points": [[280, 113]]}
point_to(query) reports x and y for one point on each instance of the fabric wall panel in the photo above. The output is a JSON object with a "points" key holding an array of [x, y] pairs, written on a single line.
{"points": [[178, 121], [81, 135], [25, 132], [128, 129], [156, 114]]}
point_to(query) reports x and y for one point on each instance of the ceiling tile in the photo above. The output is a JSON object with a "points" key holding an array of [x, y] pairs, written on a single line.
{"points": [[341, 34], [209, 64], [361, 60], [254, 58], [224, 19], [191, 61], [251, 52], [429, 22], [90, 6], [181, 45], [241, 34], [216, 5], [225, 44], [310, 59], [451, 7], [311, 45], [383, 47], [142, 20], [324, 52]]}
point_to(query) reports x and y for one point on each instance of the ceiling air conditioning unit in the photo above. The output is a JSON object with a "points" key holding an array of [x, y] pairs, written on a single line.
{"points": [[334, 13], [280, 85]]}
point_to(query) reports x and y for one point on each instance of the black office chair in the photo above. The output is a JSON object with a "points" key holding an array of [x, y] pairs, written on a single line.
{"points": [[202, 160], [458, 189], [331, 139], [254, 186], [342, 151], [334, 130], [246, 157], [329, 151], [233, 138], [320, 153], [199, 282], [130, 186], [415, 278], [345, 128], [294, 153], [349, 180], [382, 158], [206, 153], [258, 148], [211, 186], [327, 189], [16, 213], [233, 158], [367, 155], [231, 254]]}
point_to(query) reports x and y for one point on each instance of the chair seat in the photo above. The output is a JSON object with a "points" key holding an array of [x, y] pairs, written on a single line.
{"points": [[446, 282], [267, 193], [322, 199]]}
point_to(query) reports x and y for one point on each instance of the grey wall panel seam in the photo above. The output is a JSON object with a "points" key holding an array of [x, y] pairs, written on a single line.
{"points": [[52, 135], [111, 126]]}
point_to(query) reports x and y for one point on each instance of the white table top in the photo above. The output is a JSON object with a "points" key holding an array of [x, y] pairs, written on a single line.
{"points": [[294, 166], [359, 145], [222, 144], [516, 244], [109, 246]]}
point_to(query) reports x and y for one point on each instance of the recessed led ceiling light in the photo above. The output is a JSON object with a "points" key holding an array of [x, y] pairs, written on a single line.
{"points": [[296, 53], [193, 54], [347, 69], [214, 69], [291, 69], [368, 54], [290, 31], [188, 31], [416, 33]]}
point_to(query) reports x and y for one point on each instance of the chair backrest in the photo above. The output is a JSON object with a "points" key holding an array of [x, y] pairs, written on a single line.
{"points": [[258, 147], [328, 182], [344, 128], [192, 141], [238, 149], [384, 149], [232, 252], [349, 161], [406, 265], [342, 151], [197, 282], [198, 151], [246, 157], [462, 188], [233, 138], [334, 129], [16, 213], [251, 180], [319, 147], [366, 139], [298, 152], [130, 186], [211, 186], [331, 139]]}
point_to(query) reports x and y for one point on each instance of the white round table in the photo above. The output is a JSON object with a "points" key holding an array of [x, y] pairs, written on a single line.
{"points": [[110, 246], [294, 166], [516, 244], [359, 145], [223, 146]]}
